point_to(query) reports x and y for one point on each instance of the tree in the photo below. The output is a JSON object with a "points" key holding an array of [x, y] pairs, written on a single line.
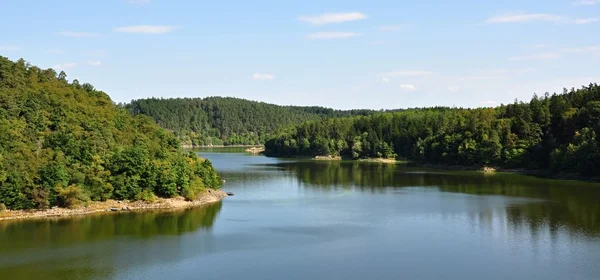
{"points": [[62, 144], [62, 76], [556, 131]]}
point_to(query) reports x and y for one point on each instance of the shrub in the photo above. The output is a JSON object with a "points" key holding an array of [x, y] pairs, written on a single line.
{"points": [[147, 196], [2, 207], [40, 197], [193, 191], [71, 196]]}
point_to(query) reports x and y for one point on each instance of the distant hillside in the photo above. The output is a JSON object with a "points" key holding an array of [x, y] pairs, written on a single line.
{"points": [[558, 132], [64, 143], [228, 121]]}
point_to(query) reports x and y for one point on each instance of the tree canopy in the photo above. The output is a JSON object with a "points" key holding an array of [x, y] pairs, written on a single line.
{"points": [[65, 143], [558, 132], [227, 120]]}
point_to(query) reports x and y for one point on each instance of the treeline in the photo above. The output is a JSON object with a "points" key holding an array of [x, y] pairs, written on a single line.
{"points": [[66, 143], [228, 121], [557, 132]]}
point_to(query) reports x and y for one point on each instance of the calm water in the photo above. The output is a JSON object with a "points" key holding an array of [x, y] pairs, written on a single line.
{"points": [[329, 220]]}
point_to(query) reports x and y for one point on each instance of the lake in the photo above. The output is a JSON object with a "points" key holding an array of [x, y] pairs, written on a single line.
{"points": [[301, 219]]}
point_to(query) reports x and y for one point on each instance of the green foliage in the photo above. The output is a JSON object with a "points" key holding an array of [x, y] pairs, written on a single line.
{"points": [[64, 143], [146, 195], [71, 196], [228, 121], [194, 190], [556, 131]]}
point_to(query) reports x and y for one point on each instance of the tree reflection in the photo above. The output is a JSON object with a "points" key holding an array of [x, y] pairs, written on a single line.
{"points": [[23, 234], [561, 204]]}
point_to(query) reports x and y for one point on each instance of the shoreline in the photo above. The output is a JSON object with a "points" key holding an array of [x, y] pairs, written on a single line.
{"points": [[221, 146], [114, 206], [539, 173], [381, 160], [255, 150]]}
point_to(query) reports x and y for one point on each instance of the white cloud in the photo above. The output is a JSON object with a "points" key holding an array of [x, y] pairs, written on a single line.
{"points": [[77, 34], [522, 17], [397, 27], [504, 71], [139, 2], [453, 89], [95, 62], [408, 87], [95, 53], [331, 35], [586, 2], [488, 102], [56, 51], [147, 29], [482, 77], [593, 50], [9, 48], [384, 79], [583, 49], [407, 73], [359, 87], [262, 77], [557, 53], [522, 71], [541, 46], [377, 42], [539, 56], [496, 74], [64, 66], [332, 18], [585, 20]]}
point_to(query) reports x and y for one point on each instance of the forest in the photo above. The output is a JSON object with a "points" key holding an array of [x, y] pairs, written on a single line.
{"points": [[65, 143], [557, 132], [226, 120]]}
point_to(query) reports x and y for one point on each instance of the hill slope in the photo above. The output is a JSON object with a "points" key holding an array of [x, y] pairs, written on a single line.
{"points": [[64, 143], [558, 132], [226, 120]]}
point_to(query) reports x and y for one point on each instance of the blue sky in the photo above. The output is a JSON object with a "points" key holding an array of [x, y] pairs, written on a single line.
{"points": [[340, 54]]}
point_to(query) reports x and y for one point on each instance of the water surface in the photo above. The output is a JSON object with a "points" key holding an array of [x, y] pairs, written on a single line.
{"points": [[303, 219]]}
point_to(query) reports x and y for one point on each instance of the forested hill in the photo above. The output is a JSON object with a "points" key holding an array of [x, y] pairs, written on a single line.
{"points": [[559, 132], [226, 120], [64, 143]]}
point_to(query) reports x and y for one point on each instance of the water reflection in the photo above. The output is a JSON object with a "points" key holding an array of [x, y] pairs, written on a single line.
{"points": [[553, 204], [329, 220], [82, 247]]}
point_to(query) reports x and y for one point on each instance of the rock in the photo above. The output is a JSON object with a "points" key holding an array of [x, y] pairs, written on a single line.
{"points": [[230, 193], [125, 208], [114, 209], [119, 202], [489, 169]]}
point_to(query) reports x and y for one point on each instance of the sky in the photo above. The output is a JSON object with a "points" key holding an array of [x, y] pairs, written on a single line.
{"points": [[341, 54]]}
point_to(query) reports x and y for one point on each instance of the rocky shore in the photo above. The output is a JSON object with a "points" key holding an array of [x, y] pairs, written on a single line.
{"points": [[327, 158], [210, 196], [380, 160], [255, 150], [189, 146]]}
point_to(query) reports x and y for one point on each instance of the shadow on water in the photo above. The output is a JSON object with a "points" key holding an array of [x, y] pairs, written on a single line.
{"points": [[77, 248], [554, 204]]}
